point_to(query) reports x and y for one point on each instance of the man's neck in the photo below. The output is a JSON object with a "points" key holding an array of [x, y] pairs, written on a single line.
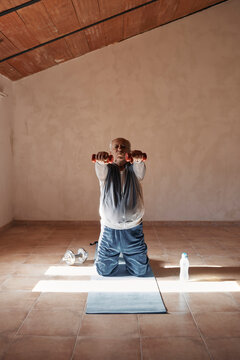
{"points": [[121, 167]]}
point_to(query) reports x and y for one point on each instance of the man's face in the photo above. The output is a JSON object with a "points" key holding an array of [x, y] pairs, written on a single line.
{"points": [[119, 148]]}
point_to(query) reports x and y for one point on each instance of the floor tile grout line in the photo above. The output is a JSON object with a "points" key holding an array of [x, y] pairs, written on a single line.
{"points": [[74, 347], [229, 293], [79, 327], [199, 331], [157, 238], [140, 338], [30, 310], [16, 333]]}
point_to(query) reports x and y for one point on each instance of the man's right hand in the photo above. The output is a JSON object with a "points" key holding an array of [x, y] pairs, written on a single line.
{"points": [[102, 157]]}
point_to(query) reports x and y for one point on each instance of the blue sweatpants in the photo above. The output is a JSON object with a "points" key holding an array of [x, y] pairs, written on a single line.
{"points": [[129, 242]]}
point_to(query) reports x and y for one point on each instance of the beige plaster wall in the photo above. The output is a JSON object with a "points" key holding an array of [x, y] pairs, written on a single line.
{"points": [[173, 91], [6, 149]]}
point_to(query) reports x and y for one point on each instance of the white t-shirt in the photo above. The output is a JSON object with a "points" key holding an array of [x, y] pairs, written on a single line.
{"points": [[119, 217]]}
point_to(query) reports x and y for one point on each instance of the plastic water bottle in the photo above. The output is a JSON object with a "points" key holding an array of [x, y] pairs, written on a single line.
{"points": [[184, 266]]}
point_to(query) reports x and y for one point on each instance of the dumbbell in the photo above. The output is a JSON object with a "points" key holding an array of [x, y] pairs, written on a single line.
{"points": [[129, 157], [108, 160], [70, 258]]}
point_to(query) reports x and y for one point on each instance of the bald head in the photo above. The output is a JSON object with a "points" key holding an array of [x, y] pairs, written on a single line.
{"points": [[118, 148], [122, 141]]}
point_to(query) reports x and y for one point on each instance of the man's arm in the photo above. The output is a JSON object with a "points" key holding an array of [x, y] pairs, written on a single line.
{"points": [[139, 169], [101, 171], [101, 165], [139, 166]]}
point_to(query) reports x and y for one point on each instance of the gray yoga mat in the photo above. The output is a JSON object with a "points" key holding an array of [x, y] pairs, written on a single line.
{"points": [[125, 294]]}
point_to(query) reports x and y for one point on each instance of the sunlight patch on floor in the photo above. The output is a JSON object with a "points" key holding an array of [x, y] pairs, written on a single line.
{"points": [[131, 284], [71, 270], [198, 286], [123, 284], [192, 266]]}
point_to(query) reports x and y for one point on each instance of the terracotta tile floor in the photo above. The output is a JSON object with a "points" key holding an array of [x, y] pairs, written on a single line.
{"points": [[203, 320]]}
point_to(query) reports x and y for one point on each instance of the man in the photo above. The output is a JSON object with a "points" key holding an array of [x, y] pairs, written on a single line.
{"points": [[121, 210]]}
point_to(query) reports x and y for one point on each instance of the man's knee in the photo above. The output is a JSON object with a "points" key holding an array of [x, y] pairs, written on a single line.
{"points": [[103, 270], [139, 270]]}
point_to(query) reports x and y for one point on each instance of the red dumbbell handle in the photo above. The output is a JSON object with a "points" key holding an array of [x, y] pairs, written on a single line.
{"points": [[129, 157], [109, 160]]}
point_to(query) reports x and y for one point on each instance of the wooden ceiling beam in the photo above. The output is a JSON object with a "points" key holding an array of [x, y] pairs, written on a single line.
{"points": [[44, 20], [8, 6], [18, 35]]}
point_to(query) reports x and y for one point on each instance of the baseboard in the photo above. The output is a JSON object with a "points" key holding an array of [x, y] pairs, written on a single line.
{"points": [[72, 223], [55, 222], [193, 223]]}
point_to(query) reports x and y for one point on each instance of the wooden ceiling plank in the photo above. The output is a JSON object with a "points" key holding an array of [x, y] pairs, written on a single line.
{"points": [[187, 7], [87, 11], [202, 4], [49, 19], [6, 47], [9, 71], [9, 4], [184, 8], [135, 3], [159, 13], [15, 30], [77, 43], [17, 2], [132, 23], [166, 10], [5, 5], [63, 15], [59, 51], [114, 7], [24, 64], [150, 16], [38, 21], [41, 58], [95, 36], [113, 29]]}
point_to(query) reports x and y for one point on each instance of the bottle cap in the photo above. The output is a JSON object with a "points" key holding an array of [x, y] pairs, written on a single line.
{"points": [[184, 254]]}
